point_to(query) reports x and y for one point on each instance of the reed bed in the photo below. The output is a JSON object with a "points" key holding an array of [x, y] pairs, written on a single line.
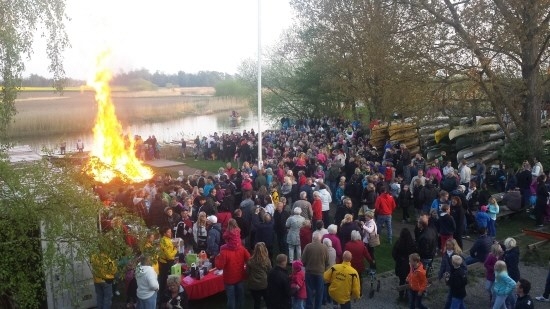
{"points": [[77, 113]]}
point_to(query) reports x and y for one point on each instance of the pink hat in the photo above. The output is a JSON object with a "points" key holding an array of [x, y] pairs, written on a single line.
{"points": [[483, 208], [297, 265]]}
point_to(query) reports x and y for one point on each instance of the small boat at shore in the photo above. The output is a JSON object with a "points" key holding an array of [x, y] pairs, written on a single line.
{"points": [[237, 118]]}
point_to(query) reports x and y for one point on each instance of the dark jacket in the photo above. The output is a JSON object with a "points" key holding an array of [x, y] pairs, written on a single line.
{"points": [[426, 242], [344, 232], [457, 212], [457, 283], [481, 247], [341, 212], [278, 289], [405, 199], [524, 179], [447, 265], [213, 240], [511, 258], [400, 254], [279, 219], [524, 302], [446, 225], [264, 231]]}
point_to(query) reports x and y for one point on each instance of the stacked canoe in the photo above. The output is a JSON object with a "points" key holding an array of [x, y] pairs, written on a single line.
{"points": [[379, 135], [405, 133], [480, 141], [434, 136]]}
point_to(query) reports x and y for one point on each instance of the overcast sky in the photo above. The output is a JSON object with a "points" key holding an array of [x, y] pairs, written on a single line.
{"points": [[165, 35]]}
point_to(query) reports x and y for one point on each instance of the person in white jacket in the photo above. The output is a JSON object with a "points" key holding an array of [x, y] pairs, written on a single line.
{"points": [[147, 284], [326, 199]]}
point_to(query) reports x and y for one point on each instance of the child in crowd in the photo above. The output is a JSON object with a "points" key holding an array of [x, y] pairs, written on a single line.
{"points": [[482, 218], [298, 285], [457, 280], [417, 281], [493, 211]]}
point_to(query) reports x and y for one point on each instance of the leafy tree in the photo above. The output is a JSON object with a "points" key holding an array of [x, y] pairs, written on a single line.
{"points": [[20, 21], [47, 222]]}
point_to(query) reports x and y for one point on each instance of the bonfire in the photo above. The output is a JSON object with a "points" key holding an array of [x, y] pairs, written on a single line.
{"points": [[112, 155]]}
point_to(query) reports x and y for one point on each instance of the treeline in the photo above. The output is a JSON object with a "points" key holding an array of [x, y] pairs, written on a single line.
{"points": [[129, 79]]}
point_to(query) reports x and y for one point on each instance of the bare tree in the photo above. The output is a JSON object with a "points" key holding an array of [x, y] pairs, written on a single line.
{"points": [[499, 45]]}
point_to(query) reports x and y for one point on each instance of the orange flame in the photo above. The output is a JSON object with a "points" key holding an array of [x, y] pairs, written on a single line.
{"points": [[112, 155]]}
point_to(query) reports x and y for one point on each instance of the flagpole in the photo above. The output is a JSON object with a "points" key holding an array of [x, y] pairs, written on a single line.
{"points": [[260, 161]]}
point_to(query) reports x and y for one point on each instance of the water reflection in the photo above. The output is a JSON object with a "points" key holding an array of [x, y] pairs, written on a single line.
{"points": [[166, 132]]}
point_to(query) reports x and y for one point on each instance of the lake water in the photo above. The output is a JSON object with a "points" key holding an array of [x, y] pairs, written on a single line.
{"points": [[165, 132]]}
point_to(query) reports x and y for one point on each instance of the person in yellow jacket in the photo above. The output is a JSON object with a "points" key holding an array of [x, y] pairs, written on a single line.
{"points": [[104, 270], [344, 282], [167, 255]]}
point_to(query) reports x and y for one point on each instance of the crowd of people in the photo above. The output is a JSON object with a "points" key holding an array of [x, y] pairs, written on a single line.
{"points": [[319, 203]]}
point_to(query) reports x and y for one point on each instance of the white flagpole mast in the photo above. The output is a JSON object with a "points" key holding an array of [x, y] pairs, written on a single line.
{"points": [[260, 160]]}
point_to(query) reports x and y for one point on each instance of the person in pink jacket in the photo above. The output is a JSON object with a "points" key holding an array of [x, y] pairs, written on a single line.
{"points": [[298, 285], [434, 173]]}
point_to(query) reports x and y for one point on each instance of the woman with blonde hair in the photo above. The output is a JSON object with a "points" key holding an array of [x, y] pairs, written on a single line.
{"points": [[494, 255], [199, 232], [503, 287], [346, 227], [257, 268]]}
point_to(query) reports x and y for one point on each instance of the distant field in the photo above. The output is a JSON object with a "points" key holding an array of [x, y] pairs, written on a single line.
{"points": [[43, 114], [185, 91], [69, 89]]}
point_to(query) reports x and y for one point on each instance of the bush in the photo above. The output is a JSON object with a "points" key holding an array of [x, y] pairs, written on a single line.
{"points": [[516, 151]]}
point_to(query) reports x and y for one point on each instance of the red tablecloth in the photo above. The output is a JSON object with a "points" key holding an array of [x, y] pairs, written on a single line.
{"points": [[209, 285]]}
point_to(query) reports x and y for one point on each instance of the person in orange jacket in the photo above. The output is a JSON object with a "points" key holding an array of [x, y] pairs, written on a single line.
{"points": [[417, 281]]}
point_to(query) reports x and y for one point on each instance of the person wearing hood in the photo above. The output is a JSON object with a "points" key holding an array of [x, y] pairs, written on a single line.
{"points": [[384, 207], [147, 284], [298, 285], [213, 237]]}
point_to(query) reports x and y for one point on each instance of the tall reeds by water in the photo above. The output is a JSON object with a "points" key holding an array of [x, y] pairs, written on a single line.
{"points": [[76, 113]]}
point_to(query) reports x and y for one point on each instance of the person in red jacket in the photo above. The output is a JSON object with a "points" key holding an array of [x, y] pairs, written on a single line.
{"points": [[232, 261], [384, 207], [317, 207], [358, 254]]}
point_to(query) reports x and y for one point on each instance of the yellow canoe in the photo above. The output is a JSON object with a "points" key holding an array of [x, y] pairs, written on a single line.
{"points": [[441, 134]]}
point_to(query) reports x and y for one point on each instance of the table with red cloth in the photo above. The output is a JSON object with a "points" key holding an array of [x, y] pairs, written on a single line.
{"points": [[209, 285]]}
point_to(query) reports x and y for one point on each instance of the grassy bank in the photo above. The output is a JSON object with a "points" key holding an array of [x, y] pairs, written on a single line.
{"points": [[76, 112]]}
